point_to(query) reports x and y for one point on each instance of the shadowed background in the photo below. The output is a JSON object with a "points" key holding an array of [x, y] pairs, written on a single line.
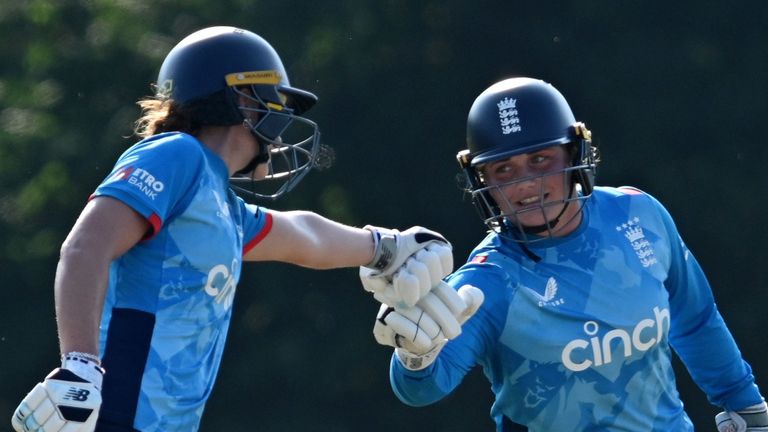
{"points": [[675, 95]]}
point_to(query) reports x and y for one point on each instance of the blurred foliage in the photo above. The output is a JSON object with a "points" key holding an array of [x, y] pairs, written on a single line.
{"points": [[674, 93]]}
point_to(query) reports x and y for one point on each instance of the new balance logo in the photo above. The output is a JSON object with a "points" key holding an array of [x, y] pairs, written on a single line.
{"points": [[77, 394]]}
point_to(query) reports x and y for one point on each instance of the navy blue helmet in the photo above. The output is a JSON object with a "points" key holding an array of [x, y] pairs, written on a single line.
{"points": [[208, 72], [517, 116]]}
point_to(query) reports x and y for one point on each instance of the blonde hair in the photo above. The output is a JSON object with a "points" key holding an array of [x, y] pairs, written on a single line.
{"points": [[160, 114]]}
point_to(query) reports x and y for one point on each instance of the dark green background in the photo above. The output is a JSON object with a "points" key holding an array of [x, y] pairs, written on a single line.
{"points": [[674, 92]]}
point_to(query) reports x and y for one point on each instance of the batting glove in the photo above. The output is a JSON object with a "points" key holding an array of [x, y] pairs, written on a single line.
{"points": [[68, 400], [419, 333], [406, 265], [750, 419]]}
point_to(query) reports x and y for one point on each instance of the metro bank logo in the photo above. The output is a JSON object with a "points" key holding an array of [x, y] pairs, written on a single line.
{"points": [[140, 178]]}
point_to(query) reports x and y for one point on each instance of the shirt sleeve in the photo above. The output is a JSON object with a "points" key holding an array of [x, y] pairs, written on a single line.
{"points": [[460, 355], [256, 225], [699, 334], [154, 178]]}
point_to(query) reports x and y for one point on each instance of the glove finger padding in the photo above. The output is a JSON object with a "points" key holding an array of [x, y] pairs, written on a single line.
{"points": [[421, 273], [473, 297], [419, 333], [406, 265], [450, 297], [377, 285], [431, 261], [728, 423], [404, 290], [413, 281], [751, 419], [451, 316], [441, 314], [445, 253], [63, 402], [408, 328], [414, 239]]}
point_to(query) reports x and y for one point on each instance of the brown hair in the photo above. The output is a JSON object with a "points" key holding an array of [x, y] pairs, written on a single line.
{"points": [[160, 114]]}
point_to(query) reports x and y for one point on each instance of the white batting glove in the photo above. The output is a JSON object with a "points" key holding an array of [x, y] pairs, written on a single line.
{"points": [[68, 400], [750, 419], [418, 333], [406, 265]]}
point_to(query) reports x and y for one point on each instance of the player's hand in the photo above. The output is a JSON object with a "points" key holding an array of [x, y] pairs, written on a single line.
{"points": [[406, 265], [418, 333], [64, 401], [750, 419]]}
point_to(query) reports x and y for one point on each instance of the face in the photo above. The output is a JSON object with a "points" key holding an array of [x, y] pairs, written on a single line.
{"points": [[251, 142], [531, 188], [262, 169]]}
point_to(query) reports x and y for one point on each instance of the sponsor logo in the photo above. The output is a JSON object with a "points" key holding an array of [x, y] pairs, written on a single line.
{"points": [[221, 283], [223, 211], [548, 299], [510, 122], [77, 394], [596, 351], [140, 178]]}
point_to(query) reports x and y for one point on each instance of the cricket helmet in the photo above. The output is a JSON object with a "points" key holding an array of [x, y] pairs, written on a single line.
{"points": [[517, 116], [211, 71]]}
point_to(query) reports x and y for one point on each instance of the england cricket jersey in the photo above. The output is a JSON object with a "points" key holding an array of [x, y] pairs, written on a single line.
{"points": [[169, 300], [576, 334]]}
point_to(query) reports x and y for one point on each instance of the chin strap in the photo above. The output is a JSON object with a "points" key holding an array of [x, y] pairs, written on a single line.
{"points": [[262, 157], [550, 225]]}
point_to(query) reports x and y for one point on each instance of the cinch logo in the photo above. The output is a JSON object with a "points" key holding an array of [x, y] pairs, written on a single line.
{"points": [[142, 179], [221, 283], [598, 352]]}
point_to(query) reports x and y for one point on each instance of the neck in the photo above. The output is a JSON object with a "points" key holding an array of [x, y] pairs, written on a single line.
{"points": [[227, 142], [570, 219]]}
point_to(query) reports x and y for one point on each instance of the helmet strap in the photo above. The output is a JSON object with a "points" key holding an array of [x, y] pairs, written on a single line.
{"points": [[550, 225], [262, 157]]}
